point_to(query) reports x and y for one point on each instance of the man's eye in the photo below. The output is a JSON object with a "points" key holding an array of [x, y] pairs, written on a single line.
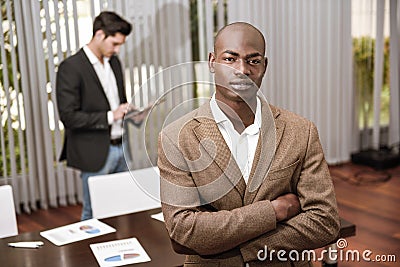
{"points": [[254, 61], [229, 59]]}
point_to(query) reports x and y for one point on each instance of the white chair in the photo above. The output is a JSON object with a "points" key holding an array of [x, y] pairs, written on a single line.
{"points": [[8, 219], [124, 192]]}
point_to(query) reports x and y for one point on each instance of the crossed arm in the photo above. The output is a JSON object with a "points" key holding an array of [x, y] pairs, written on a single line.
{"points": [[285, 207], [303, 221]]}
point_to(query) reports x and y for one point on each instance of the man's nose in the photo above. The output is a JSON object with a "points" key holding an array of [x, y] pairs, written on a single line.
{"points": [[242, 68], [116, 49]]}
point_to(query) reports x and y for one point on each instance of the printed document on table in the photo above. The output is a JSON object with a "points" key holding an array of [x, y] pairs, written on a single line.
{"points": [[77, 231], [158, 216], [119, 252]]}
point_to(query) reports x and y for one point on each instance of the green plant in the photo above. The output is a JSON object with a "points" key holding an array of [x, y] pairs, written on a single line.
{"points": [[363, 55], [8, 99]]}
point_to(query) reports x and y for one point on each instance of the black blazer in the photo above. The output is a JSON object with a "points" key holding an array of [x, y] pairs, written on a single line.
{"points": [[83, 105]]}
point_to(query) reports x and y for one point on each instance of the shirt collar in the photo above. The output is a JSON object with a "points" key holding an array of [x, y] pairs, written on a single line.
{"points": [[220, 116], [92, 57]]}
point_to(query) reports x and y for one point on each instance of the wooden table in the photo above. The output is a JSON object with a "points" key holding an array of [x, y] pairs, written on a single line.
{"points": [[347, 229], [151, 234]]}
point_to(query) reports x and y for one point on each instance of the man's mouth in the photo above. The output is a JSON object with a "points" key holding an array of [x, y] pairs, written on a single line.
{"points": [[241, 85]]}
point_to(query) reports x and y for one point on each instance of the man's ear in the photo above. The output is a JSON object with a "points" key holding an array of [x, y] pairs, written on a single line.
{"points": [[99, 35], [211, 61], [266, 64]]}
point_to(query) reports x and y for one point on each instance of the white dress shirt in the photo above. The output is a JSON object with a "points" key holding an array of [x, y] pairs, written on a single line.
{"points": [[109, 84], [243, 146]]}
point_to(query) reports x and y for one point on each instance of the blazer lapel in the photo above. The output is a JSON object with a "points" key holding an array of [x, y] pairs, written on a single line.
{"points": [[270, 137], [116, 68], [92, 72], [214, 144]]}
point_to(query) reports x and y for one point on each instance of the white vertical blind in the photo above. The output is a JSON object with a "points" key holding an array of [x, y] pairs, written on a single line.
{"points": [[374, 21], [48, 31], [378, 71], [309, 48], [347, 103], [394, 126], [160, 39], [7, 89], [310, 63], [57, 142]]}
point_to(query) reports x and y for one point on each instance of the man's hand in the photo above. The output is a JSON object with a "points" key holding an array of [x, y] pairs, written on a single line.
{"points": [[120, 112], [286, 206]]}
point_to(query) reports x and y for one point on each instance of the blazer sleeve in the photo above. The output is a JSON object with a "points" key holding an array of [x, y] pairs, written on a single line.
{"points": [[200, 229], [69, 84], [318, 223]]}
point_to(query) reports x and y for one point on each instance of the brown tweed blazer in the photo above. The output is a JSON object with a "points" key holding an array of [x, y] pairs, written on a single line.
{"points": [[214, 218]]}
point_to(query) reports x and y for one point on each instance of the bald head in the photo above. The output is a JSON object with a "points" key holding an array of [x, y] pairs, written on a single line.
{"points": [[239, 55], [241, 28]]}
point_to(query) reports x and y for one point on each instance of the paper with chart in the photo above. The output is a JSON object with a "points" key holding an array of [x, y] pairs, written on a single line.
{"points": [[77, 231], [119, 252]]}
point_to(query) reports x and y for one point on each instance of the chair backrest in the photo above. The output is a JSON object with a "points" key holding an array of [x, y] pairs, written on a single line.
{"points": [[8, 219], [124, 192]]}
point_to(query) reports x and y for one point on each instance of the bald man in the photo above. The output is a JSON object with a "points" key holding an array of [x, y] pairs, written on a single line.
{"points": [[244, 183]]}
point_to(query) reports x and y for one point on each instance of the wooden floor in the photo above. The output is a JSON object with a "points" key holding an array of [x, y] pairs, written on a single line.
{"points": [[46, 219], [374, 208], [363, 195]]}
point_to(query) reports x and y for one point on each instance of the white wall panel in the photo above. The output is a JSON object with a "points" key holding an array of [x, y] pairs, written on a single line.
{"points": [[306, 72]]}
